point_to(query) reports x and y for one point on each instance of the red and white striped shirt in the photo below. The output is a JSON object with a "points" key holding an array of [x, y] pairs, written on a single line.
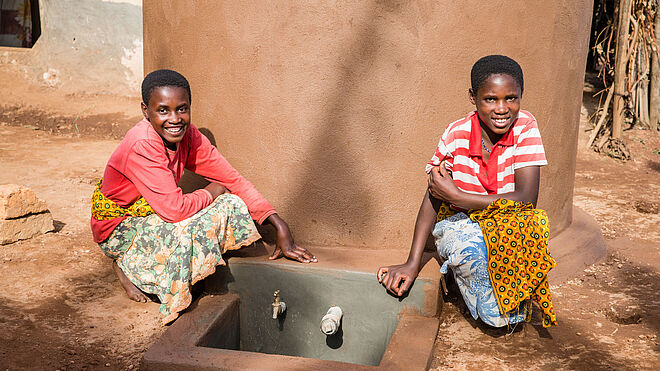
{"points": [[460, 149]]}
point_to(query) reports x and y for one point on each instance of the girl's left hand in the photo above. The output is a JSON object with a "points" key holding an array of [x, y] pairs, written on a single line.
{"points": [[441, 184], [284, 244]]}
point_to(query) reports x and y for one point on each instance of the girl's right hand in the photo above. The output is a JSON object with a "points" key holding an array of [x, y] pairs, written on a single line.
{"points": [[397, 279], [216, 189], [441, 185]]}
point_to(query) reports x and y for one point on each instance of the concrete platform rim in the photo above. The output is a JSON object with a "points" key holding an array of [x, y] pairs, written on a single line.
{"points": [[177, 348]]}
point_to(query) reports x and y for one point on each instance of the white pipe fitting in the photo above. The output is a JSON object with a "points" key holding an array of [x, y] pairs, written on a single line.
{"points": [[331, 322]]}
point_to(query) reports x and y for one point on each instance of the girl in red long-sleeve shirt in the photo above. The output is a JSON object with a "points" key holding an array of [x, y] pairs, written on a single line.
{"points": [[161, 240]]}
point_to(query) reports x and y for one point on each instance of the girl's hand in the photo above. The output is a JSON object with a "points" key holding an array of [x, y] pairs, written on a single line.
{"points": [[397, 279], [284, 244], [441, 185], [216, 189]]}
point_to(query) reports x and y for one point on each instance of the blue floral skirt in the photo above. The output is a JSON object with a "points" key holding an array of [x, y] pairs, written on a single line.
{"points": [[460, 242]]}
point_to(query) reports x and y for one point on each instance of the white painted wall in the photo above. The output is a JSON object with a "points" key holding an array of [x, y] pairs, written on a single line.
{"points": [[90, 46]]}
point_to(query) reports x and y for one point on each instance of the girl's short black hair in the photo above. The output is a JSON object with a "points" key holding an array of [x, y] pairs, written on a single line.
{"points": [[494, 65], [160, 78]]}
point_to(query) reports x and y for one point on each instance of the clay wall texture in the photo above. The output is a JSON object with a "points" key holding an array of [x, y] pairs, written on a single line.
{"points": [[332, 108]]}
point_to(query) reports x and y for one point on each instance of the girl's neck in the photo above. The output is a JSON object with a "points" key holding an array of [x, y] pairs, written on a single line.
{"points": [[168, 145], [489, 136]]}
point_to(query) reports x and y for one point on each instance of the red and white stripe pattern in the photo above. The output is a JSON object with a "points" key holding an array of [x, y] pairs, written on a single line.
{"points": [[460, 149]]}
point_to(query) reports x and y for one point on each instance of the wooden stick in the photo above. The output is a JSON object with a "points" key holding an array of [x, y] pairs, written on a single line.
{"points": [[654, 93], [603, 115], [620, 63], [643, 87], [632, 49]]}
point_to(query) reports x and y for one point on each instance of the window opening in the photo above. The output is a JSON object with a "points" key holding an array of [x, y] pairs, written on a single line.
{"points": [[20, 25]]}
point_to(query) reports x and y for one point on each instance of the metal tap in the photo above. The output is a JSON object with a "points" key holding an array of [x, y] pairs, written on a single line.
{"points": [[278, 305]]}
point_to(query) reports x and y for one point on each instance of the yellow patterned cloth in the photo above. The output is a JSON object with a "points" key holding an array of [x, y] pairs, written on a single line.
{"points": [[516, 237], [104, 208], [444, 212]]}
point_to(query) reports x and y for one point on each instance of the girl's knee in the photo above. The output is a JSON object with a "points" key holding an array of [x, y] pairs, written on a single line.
{"points": [[229, 202], [229, 198]]}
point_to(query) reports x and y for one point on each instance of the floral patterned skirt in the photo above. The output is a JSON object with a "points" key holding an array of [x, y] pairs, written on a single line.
{"points": [[461, 243], [166, 259]]}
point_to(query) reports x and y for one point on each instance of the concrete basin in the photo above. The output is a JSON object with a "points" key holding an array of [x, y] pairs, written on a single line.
{"points": [[233, 329]]}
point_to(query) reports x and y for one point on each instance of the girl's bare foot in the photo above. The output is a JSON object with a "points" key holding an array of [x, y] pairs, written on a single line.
{"points": [[131, 290]]}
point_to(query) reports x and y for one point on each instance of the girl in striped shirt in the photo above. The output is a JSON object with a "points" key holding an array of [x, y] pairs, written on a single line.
{"points": [[495, 152]]}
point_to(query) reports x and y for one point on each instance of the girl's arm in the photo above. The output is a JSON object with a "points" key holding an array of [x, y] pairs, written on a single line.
{"points": [[442, 187], [146, 167], [284, 244], [208, 162], [397, 279], [215, 189], [205, 160]]}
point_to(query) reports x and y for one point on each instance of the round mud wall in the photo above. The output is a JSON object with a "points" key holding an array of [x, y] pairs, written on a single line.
{"points": [[332, 109]]}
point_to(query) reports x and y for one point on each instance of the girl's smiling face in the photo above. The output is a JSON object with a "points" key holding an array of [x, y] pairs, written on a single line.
{"points": [[498, 103], [168, 111]]}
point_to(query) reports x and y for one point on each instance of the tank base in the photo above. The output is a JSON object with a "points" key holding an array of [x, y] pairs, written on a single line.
{"points": [[576, 247]]}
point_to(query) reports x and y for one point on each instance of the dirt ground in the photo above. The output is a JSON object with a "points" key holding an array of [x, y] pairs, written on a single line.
{"points": [[62, 306]]}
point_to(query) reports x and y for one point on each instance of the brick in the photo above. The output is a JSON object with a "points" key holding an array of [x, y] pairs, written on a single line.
{"points": [[12, 230], [17, 201]]}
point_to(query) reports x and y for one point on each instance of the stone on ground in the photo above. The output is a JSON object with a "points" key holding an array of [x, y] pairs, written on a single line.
{"points": [[17, 201], [22, 214]]}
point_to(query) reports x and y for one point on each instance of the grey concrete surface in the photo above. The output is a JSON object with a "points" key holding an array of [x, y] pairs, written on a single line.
{"points": [[379, 331], [370, 313]]}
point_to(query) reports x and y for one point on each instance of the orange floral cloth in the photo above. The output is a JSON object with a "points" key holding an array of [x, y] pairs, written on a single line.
{"points": [[516, 237]]}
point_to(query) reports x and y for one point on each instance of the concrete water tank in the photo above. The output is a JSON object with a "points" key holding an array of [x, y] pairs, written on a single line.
{"points": [[332, 108]]}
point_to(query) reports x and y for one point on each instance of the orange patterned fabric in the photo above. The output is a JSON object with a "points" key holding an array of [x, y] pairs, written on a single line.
{"points": [[516, 236]]}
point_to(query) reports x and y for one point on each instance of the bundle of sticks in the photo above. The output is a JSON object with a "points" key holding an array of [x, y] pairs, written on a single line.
{"points": [[627, 55]]}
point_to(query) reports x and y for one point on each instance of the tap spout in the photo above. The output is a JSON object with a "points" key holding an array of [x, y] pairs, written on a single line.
{"points": [[278, 305], [276, 311]]}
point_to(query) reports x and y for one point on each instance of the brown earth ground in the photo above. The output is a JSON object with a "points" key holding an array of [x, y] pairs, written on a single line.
{"points": [[62, 307]]}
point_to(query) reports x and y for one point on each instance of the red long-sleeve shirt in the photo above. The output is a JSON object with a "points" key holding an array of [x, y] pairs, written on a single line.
{"points": [[143, 166]]}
